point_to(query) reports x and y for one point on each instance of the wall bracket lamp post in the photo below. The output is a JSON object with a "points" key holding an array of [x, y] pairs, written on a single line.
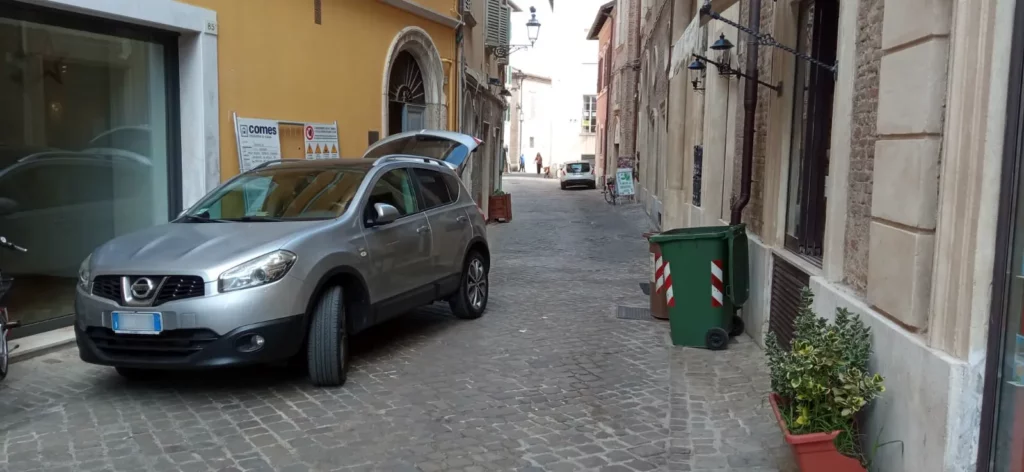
{"points": [[532, 31], [698, 67], [767, 39]]}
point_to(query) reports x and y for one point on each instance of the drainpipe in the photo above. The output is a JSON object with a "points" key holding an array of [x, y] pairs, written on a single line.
{"points": [[636, 93], [608, 88], [749, 107]]}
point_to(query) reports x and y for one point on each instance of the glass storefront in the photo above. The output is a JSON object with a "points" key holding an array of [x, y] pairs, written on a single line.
{"points": [[86, 145]]}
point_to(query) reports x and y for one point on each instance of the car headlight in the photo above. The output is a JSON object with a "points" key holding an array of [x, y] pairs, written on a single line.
{"points": [[262, 270], [84, 276]]}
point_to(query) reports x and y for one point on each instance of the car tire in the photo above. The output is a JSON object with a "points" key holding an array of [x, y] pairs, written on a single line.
{"points": [[563, 186], [474, 281], [327, 347], [135, 374]]}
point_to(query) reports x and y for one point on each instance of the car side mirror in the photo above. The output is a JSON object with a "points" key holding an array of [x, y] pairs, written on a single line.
{"points": [[385, 214]]}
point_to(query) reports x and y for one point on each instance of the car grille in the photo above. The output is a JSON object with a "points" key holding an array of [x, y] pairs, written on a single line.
{"points": [[169, 344], [107, 286], [175, 287]]}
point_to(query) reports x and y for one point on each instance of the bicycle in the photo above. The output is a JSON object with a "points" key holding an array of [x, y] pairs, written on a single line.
{"points": [[6, 325], [609, 193]]}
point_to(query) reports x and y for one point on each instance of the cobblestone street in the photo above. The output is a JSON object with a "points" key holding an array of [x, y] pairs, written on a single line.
{"points": [[548, 379]]}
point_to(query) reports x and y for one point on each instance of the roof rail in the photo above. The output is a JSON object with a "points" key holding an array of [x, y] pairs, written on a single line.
{"points": [[400, 157], [269, 163]]}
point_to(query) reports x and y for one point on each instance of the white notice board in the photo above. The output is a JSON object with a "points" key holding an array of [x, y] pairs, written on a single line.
{"points": [[321, 140], [260, 140]]}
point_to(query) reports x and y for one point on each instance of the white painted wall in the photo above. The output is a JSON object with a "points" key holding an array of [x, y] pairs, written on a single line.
{"points": [[537, 122]]}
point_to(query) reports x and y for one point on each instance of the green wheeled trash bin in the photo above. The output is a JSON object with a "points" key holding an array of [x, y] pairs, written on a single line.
{"points": [[704, 279]]}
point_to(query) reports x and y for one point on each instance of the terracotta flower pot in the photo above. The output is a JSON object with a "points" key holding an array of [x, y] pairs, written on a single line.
{"points": [[815, 452], [500, 207]]}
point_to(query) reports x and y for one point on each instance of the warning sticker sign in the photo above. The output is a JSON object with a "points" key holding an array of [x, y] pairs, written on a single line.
{"points": [[321, 140]]}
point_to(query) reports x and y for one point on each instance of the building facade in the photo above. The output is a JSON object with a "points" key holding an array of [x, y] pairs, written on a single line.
{"points": [[119, 114], [601, 31], [485, 37], [624, 99], [529, 119], [877, 169]]}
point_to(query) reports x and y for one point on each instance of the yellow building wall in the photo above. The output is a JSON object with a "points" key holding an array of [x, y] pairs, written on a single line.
{"points": [[276, 63]]}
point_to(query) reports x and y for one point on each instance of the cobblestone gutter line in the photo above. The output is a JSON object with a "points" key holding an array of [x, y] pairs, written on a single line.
{"points": [[720, 417]]}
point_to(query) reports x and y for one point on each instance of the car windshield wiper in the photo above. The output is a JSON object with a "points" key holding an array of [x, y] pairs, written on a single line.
{"points": [[257, 219], [202, 219]]}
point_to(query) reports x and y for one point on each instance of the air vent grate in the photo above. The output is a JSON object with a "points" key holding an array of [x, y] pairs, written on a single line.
{"points": [[787, 283]]}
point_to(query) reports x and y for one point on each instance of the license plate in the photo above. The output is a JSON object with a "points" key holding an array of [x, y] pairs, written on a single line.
{"points": [[137, 323]]}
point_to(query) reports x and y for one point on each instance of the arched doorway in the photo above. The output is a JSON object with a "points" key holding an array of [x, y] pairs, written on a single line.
{"points": [[413, 84], [407, 103]]}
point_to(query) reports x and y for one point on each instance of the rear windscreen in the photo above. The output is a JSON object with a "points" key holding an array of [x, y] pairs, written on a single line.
{"points": [[578, 168]]}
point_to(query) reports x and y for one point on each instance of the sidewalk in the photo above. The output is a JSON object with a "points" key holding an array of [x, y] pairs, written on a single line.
{"points": [[720, 416]]}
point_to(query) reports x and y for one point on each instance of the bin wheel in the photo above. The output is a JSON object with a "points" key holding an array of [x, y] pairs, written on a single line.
{"points": [[737, 326], [716, 339]]}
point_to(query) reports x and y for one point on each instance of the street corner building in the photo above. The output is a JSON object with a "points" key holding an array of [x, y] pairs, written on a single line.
{"points": [[119, 114], [876, 145]]}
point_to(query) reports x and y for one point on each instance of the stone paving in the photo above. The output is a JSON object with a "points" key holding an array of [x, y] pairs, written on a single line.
{"points": [[548, 380]]}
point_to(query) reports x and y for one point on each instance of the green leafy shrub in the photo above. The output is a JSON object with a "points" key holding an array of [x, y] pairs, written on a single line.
{"points": [[823, 377]]}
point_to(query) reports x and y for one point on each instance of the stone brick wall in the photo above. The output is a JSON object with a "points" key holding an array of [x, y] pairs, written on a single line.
{"points": [[753, 213], [862, 143]]}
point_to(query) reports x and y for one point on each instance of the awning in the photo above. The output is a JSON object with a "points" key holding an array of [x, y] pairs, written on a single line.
{"points": [[687, 44], [718, 6]]}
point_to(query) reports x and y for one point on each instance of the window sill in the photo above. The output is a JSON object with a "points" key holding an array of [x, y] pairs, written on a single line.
{"points": [[808, 265]]}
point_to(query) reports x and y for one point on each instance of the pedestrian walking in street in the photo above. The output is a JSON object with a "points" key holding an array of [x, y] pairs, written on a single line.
{"points": [[539, 160], [522, 163]]}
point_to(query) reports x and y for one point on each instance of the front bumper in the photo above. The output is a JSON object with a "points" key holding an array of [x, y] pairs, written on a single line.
{"points": [[579, 181], [194, 348]]}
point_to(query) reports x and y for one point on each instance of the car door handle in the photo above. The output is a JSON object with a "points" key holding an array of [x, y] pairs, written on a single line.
{"points": [[462, 219], [423, 229]]}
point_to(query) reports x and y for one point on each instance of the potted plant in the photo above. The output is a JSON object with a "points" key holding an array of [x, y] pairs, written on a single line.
{"points": [[819, 384], [499, 205]]}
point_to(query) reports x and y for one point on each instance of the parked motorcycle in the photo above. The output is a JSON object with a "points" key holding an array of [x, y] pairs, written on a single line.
{"points": [[6, 325]]}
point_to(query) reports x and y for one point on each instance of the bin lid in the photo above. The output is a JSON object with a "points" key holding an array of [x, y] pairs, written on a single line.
{"points": [[696, 232]]}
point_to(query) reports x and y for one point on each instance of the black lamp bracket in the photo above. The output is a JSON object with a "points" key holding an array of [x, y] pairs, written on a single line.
{"points": [[505, 51], [725, 69], [767, 39]]}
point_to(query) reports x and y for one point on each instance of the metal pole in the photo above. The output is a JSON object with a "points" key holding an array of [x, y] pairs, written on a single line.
{"points": [[749, 108]]}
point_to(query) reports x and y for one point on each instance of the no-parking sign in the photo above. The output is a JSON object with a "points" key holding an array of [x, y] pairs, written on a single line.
{"points": [[321, 140]]}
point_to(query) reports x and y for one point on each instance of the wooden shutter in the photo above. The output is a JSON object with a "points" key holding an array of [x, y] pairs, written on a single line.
{"points": [[492, 23], [787, 282]]}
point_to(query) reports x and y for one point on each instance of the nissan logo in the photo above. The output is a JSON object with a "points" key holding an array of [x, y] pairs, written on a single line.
{"points": [[142, 288]]}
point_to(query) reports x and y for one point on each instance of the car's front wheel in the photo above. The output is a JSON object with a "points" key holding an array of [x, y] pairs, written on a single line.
{"points": [[327, 349], [471, 299]]}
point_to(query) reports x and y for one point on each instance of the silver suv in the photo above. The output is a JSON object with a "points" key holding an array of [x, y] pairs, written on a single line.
{"points": [[286, 261]]}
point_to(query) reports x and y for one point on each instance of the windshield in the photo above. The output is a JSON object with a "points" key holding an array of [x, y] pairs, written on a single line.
{"points": [[578, 168], [426, 146], [282, 194]]}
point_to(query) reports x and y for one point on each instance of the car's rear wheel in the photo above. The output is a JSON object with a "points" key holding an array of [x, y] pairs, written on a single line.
{"points": [[327, 348], [563, 185], [471, 299], [132, 373]]}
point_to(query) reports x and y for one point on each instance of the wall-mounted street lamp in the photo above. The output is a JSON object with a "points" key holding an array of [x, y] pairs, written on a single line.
{"points": [[766, 39], [532, 32], [722, 47]]}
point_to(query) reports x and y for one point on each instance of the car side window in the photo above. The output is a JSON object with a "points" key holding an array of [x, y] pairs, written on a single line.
{"points": [[432, 188], [394, 188]]}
